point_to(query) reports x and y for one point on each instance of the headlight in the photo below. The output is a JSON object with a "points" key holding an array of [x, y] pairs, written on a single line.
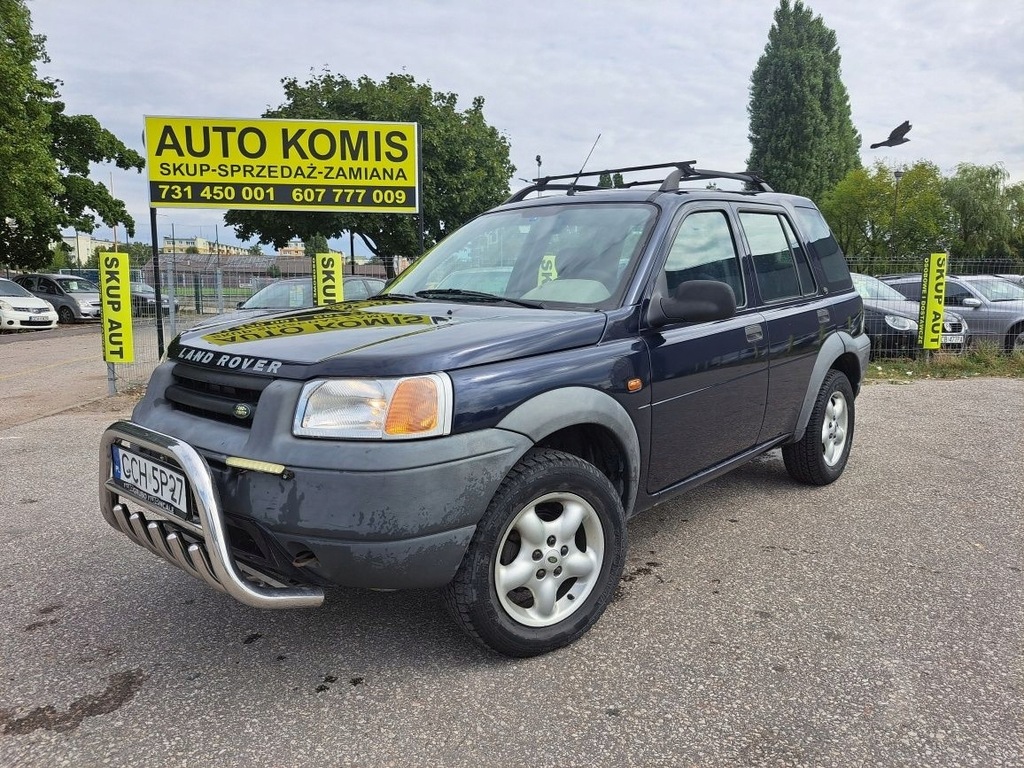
{"points": [[900, 323], [5, 306], [85, 305], [381, 409]]}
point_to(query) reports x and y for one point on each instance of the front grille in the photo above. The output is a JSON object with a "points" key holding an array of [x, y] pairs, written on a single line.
{"points": [[228, 397], [952, 326]]}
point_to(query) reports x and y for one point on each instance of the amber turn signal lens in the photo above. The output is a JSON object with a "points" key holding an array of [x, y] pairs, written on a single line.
{"points": [[413, 408]]}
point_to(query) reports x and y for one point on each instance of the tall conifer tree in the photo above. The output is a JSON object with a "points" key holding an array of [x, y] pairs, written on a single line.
{"points": [[801, 134]]}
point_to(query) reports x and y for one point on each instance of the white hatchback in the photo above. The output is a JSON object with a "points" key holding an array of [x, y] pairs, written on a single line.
{"points": [[20, 310]]}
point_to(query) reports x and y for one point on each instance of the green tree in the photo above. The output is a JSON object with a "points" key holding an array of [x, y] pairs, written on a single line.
{"points": [[139, 254], [465, 163], [59, 259], [316, 244], [1015, 210], [801, 134], [887, 225], [45, 153], [605, 181], [980, 214]]}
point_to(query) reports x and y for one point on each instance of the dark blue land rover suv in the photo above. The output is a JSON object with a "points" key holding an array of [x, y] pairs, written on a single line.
{"points": [[489, 422]]}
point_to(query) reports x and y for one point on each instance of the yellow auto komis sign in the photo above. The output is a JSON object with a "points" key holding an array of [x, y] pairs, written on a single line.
{"points": [[310, 165]]}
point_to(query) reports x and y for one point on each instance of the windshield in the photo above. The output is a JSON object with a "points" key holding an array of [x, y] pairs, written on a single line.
{"points": [[576, 255], [78, 285], [287, 294], [9, 288], [873, 288], [996, 289]]}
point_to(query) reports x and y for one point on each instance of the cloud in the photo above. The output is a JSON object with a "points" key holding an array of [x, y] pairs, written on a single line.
{"points": [[660, 80]]}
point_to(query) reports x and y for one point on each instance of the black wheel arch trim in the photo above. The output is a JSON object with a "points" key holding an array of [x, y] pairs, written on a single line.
{"points": [[838, 346], [559, 409]]}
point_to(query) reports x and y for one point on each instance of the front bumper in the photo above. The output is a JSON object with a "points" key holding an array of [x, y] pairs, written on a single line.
{"points": [[200, 550], [18, 320], [399, 516]]}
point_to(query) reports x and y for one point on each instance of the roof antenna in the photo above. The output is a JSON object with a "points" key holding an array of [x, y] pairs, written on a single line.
{"points": [[572, 186]]}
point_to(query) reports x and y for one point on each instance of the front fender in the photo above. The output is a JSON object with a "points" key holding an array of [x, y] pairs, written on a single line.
{"points": [[559, 409]]}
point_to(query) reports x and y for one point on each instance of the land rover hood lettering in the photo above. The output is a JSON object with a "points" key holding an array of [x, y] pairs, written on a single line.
{"points": [[305, 325], [233, 362]]}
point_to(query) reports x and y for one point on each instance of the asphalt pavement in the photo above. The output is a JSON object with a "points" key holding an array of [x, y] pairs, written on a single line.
{"points": [[874, 622]]}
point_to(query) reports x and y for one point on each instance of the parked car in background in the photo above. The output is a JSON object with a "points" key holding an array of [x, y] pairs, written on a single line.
{"points": [[20, 310], [74, 298], [890, 319], [1018, 279], [144, 300], [294, 293], [991, 306]]}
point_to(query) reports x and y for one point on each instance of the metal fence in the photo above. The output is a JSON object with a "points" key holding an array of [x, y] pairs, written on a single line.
{"points": [[986, 309], [981, 308]]}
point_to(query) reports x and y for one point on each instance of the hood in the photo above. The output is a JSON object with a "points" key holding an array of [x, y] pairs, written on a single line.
{"points": [[909, 309], [27, 302], [384, 338]]}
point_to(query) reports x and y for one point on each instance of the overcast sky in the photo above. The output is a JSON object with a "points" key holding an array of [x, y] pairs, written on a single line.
{"points": [[659, 80]]}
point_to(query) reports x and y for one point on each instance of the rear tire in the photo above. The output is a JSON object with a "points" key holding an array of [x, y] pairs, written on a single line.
{"points": [[545, 559], [821, 455]]}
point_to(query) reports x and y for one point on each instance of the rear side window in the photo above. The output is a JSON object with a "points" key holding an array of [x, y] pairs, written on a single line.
{"points": [[781, 270], [824, 246], [909, 288]]}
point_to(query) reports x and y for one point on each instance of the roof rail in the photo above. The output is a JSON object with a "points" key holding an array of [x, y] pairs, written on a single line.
{"points": [[680, 171]]}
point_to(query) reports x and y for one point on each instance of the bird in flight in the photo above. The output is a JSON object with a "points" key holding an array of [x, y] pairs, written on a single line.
{"points": [[898, 136]]}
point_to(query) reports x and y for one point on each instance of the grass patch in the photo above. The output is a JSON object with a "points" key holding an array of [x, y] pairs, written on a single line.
{"points": [[981, 360]]}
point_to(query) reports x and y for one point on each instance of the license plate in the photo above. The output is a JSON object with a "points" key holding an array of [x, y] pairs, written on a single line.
{"points": [[952, 338], [150, 481]]}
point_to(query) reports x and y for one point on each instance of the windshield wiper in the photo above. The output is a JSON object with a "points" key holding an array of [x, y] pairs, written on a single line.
{"points": [[459, 293]]}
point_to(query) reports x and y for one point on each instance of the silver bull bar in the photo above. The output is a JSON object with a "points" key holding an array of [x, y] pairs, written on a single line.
{"points": [[200, 550]]}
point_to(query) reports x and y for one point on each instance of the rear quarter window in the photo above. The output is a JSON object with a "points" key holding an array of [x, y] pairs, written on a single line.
{"points": [[825, 248]]}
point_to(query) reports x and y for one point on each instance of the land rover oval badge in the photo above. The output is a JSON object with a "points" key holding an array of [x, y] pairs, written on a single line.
{"points": [[242, 411]]}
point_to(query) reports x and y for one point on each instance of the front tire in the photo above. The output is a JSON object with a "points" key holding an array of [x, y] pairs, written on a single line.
{"points": [[65, 316], [821, 455], [545, 559]]}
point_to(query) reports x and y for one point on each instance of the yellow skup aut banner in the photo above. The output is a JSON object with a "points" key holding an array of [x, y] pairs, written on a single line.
{"points": [[933, 296], [304, 165], [328, 286], [116, 298]]}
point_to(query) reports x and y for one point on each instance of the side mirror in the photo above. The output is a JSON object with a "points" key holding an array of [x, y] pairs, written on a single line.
{"points": [[239, 305], [971, 302], [693, 301]]}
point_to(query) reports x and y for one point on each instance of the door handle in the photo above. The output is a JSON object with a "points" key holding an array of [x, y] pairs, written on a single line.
{"points": [[754, 333], [824, 317]]}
